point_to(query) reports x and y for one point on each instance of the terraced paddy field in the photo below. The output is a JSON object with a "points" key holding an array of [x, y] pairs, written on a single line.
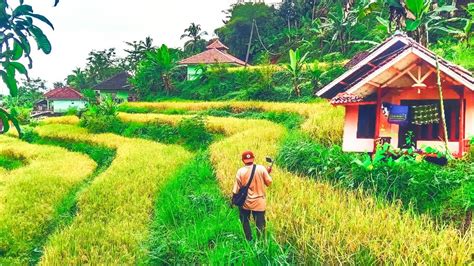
{"points": [[158, 203]]}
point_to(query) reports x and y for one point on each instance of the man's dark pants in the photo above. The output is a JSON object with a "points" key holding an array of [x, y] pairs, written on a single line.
{"points": [[259, 218]]}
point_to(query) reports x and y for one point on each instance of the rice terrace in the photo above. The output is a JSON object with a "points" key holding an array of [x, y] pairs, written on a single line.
{"points": [[292, 132]]}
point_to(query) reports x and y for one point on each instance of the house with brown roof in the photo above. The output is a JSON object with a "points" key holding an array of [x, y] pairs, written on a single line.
{"points": [[391, 95], [60, 100], [118, 87], [216, 53]]}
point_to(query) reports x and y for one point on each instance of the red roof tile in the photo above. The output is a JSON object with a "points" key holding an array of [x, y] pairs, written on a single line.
{"points": [[63, 94], [212, 56], [217, 45], [345, 98]]}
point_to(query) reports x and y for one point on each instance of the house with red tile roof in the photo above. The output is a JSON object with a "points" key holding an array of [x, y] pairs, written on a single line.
{"points": [[216, 53], [60, 100], [391, 95]]}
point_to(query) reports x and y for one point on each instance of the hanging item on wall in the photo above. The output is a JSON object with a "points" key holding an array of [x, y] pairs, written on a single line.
{"points": [[398, 114], [425, 114], [386, 109]]}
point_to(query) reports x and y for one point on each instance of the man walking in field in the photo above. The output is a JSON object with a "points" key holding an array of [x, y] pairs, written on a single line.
{"points": [[255, 201]]}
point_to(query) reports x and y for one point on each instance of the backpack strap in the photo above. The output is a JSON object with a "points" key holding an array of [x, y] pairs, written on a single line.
{"points": [[251, 176]]}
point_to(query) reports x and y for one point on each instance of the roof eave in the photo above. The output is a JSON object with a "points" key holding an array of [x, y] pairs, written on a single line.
{"points": [[420, 54], [369, 58]]}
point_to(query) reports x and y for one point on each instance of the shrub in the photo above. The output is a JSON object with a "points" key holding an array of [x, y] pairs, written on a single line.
{"points": [[101, 117], [194, 132], [72, 111]]}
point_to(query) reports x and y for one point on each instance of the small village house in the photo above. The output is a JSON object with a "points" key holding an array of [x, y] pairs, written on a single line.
{"points": [[216, 53], [390, 94], [117, 87], [60, 100]]}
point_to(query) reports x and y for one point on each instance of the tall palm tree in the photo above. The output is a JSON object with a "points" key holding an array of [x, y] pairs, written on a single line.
{"points": [[137, 51], [196, 42], [78, 79]]}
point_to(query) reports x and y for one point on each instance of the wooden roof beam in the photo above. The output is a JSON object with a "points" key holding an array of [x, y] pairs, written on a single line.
{"points": [[400, 74], [375, 84]]}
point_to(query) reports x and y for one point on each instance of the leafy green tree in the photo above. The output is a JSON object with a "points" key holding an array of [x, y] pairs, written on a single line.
{"points": [[196, 43], [59, 84], [420, 18], [295, 69], [31, 91], [17, 28], [236, 31], [154, 74], [78, 79], [465, 33], [102, 65], [137, 51]]}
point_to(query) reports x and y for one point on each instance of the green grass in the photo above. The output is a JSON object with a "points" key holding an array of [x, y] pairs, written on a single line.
{"points": [[194, 224], [67, 209], [10, 163]]}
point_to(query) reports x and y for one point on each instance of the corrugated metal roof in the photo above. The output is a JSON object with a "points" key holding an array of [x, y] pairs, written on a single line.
{"points": [[364, 66], [118, 82]]}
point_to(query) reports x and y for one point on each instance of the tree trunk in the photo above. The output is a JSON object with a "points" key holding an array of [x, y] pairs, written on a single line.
{"points": [[423, 35]]}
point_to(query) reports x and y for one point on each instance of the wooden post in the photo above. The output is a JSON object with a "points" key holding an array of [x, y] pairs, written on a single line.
{"points": [[378, 111], [250, 43], [462, 122], [443, 114]]}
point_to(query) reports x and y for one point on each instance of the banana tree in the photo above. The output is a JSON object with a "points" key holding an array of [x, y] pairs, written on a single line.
{"points": [[419, 17], [155, 72], [17, 27], [295, 68], [421, 20], [465, 33]]}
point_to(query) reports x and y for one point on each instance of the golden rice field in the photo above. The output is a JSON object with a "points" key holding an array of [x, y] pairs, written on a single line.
{"points": [[325, 223], [29, 195], [115, 211], [323, 123]]}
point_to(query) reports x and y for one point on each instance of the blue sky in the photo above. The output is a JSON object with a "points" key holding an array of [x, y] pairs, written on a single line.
{"points": [[83, 25]]}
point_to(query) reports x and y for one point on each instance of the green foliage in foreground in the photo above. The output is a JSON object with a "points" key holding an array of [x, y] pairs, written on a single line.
{"points": [[194, 224], [426, 187], [9, 162]]}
